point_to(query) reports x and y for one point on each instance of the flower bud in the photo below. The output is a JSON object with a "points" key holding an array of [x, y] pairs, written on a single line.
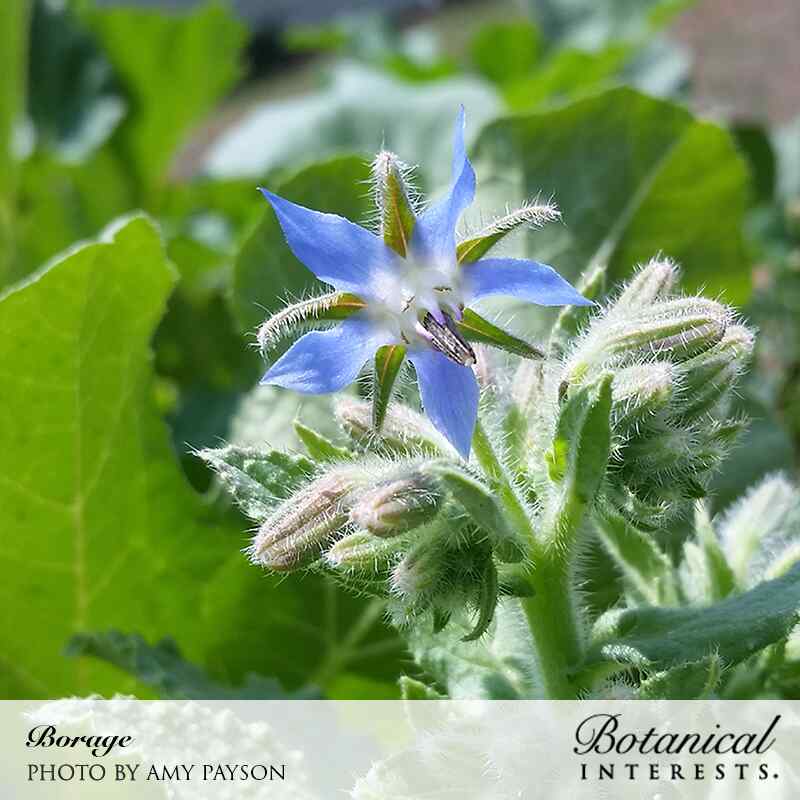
{"points": [[571, 319], [398, 506], [639, 391], [403, 430], [295, 534], [654, 280], [674, 329], [709, 377], [363, 553], [421, 573]]}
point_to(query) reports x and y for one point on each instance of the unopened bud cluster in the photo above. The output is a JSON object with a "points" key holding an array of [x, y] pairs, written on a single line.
{"points": [[674, 363]]}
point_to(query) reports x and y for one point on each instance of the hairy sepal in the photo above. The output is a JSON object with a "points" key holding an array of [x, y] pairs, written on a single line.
{"points": [[533, 214], [474, 328], [297, 317]]}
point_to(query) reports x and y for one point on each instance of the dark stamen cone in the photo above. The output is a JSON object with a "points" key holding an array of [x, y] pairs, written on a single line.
{"points": [[448, 340]]}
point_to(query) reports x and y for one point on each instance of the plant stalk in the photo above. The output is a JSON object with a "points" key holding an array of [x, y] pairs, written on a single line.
{"points": [[555, 628], [550, 613]]}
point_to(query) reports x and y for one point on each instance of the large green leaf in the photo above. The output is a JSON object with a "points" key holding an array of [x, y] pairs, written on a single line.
{"points": [[60, 203], [660, 638], [13, 41], [162, 667], [99, 528], [175, 68], [634, 176]]}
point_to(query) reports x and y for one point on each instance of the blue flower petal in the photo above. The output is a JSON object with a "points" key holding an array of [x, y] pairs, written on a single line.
{"points": [[434, 232], [525, 280], [345, 255], [449, 395], [325, 361]]}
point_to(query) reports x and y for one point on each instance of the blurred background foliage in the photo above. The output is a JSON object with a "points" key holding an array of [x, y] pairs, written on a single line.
{"points": [[657, 125]]}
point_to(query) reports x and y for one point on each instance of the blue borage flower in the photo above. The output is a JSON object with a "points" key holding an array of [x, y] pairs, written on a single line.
{"points": [[407, 293]]}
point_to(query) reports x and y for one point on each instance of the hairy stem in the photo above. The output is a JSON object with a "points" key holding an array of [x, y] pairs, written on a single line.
{"points": [[555, 628], [495, 472], [551, 614]]}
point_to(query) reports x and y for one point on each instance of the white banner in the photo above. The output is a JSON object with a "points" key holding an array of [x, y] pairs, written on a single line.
{"points": [[420, 750]]}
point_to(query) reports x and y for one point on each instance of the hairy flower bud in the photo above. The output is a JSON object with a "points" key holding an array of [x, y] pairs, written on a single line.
{"points": [[296, 533], [639, 391], [420, 574], [675, 330], [363, 553], [571, 319], [654, 280], [709, 377], [397, 506], [403, 431]]}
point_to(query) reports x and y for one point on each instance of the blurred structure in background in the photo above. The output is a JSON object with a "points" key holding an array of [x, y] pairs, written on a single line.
{"points": [[278, 13]]}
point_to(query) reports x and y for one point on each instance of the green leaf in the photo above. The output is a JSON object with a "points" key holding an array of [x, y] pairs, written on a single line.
{"points": [[500, 666], [162, 667], [319, 447], [388, 361], [358, 109], [647, 570], [13, 54], [661, 638], [754, 141], [100, 524], [411, 689], [598, 21], [652, 173], [188, 64], [74, 100], [265, 271], [475, 328], [257, 479], [59, 204], [479, 501], [506, 50], [577, 458], [567, 75], [696, 680]]}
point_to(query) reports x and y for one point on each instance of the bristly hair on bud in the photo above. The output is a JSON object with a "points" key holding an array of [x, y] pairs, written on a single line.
{"points": [[639, 391], [671, 329], [404, 430], [653, 281], [399, 505], [298, 530]]}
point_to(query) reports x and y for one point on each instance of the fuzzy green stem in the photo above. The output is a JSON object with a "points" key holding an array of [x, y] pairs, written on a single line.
{"points": [[554, 627], [494, 470], [551, 614]]}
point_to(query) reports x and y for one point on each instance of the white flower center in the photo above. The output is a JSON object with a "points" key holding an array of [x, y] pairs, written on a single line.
{"points": [[419, 289]]}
